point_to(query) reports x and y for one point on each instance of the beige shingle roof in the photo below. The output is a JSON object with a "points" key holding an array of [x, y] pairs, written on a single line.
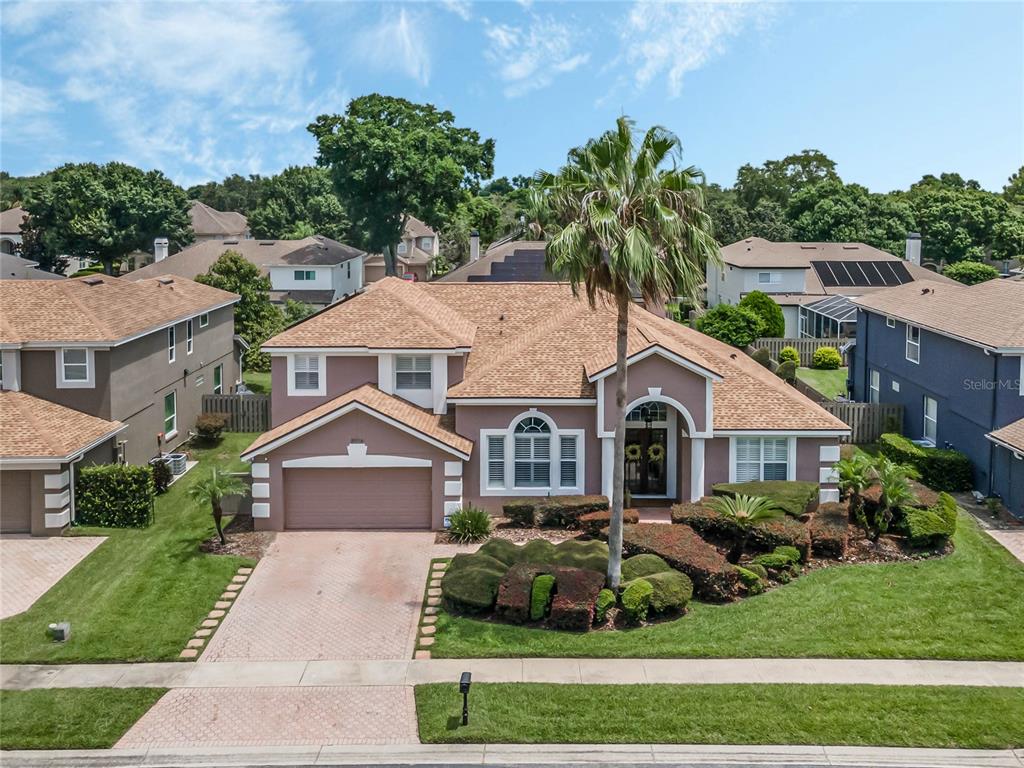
{"points": [[421, 421], [207, 221], [1012, 435], [31, 427], [98, 308], [11, 219], [989, 313], [535, 340], [390, 314], [416, 228]]}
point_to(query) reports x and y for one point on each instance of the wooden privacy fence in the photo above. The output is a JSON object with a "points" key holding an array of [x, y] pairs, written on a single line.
{"points": [[245, 413], [806, 347], [867, 421]]}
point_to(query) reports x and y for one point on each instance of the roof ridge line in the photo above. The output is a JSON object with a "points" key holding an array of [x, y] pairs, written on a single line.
{"points": [[426, 316]]}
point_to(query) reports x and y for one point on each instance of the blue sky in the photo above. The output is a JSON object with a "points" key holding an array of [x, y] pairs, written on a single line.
{"points": [[891, 91]]}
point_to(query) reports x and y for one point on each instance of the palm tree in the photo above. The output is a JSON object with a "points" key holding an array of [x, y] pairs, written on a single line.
{"points": [[856, 475], [212, 489], [894, 480], [745, 512], [621, 218]]}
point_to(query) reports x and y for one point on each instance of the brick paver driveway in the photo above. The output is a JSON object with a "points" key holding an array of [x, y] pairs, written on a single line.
{"points": [[29, 567], [329, 595]]}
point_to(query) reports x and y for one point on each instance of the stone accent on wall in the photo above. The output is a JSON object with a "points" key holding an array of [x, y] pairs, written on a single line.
{"points": [[828, 478], [452, 489]]}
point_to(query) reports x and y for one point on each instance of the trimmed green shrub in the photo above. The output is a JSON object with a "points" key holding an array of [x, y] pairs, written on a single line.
{"points": [[970, 272], [789, 355], [162, 475], [826, 358], [515, 592], [765, 307], [209, 426], [538, 551], [636, 600], [679, 545], [794, 497], [640, 566], [787, 371], [521, 513], [565, 511], [732, 324], [933, 526], [762, 356], [760, 570], [470, 583], [501, 549], [469, 524], [830, 530], [773, 562], [751, 580], [763, 536], [540, 596], [605, 601], [672, 591], [790, 552], [594, 523], [581, 554], [940, 469], [114, 496]]}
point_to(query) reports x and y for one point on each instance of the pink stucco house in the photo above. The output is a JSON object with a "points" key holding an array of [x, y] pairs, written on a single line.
{"points": [[407, 401]]}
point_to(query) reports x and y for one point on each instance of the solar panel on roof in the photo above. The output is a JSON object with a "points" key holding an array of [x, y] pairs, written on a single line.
{"points": [[861, 274]]}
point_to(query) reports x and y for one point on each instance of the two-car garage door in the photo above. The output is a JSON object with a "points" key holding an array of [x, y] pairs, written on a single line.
{"points": [[318, 499]]}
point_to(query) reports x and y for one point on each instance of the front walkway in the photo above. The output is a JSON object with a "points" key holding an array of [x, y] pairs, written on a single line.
{"points": [[1012, 540], [30, 566]]}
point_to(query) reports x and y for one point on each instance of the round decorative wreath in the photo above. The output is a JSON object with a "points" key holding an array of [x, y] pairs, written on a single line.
{"points": [[656, 452], [633, 452]]}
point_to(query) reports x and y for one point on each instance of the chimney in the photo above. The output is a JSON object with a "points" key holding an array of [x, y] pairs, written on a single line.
{"points": [[160, 247], [913, 253], [474, 245]]}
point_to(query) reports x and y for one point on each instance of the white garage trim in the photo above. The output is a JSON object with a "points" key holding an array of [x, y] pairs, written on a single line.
{"points": [[354, 462], [261, 509], [57, 519], [260, 470]]}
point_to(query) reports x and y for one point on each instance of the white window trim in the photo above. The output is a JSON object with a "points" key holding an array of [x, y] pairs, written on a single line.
{"points": [[890, 322], [430, 371], [90, 370], [915, 344], [874, 392], [219, 367], [508, 487], [174, 432], [189, 337], [790, 455], [204, 319], [320, 391], [924, 420], [172, 343]]}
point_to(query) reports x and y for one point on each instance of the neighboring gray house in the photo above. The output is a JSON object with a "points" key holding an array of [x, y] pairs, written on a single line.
{"points": [[137, 356], [314, 270], [813, 282], [517, 261], [210, 224], [953, 356], [10, 229], [16, 268]]}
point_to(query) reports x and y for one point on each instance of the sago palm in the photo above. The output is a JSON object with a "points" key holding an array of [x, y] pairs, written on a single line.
{"points": [[894, 481], [212, 489], [623, 217], [745, 512], [856, 475]]}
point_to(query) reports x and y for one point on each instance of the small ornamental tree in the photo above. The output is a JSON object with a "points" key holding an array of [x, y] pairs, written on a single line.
{"points": [[765, 307], [970, 272], [211, 490], [738, 326]]}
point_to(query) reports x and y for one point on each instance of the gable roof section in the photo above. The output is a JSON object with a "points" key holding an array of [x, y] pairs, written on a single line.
{"points": [[11, 220], [367, 398], [34, 428], [483, 269], [207, 221], [416, 228], [98, 308], [316, 251], [990, 314], [1011, 436], [389, 314], [16, 268]]}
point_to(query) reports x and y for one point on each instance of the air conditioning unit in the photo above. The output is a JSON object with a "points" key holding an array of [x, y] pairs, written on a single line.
{"points": [[176, 461]]}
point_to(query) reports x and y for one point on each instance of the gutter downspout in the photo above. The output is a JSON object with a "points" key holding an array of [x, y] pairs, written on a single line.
{"points": [[992, 421]]}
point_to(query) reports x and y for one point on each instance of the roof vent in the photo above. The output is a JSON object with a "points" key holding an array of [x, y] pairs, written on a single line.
{"points": [[851, 247], [806, 247], [230, 242], [267, 242], [93, 281], [165, 280]]}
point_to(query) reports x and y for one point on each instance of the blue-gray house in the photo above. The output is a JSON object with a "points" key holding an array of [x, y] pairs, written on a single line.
{"points": [[953, 355]]}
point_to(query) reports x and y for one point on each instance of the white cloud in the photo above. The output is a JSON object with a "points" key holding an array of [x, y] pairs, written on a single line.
{"points": [[664, 38], [26, 111], [529, 57], [25, 16], [461, 8], [399, 42]]}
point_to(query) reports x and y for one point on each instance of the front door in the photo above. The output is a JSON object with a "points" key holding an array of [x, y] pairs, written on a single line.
{"points": [[646, 454]]}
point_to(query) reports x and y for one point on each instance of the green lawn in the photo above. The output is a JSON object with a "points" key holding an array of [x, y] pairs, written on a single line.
{"points": [[258, 382], [829, 383], [141, 594], [964, 606], [71, 718], [851, 715]]}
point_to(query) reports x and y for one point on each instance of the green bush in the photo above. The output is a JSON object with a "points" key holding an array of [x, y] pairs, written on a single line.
{"points": [[162, 475], [794, 497], [640, 566], [933, 526], [826, 358], [521, 513], [605, 601], [731, 324], [209, 426], [762, 356], [776, 561], [672, 591], [765, 307], [789, 355], [751, 580], [970, 272], [592, 555], [470, 583], [789, 552], [565, 511], [540, 596], [636, 600], [469, 524], [940, 469], [760, 570], [502, 550], [787, 371], [114, 496]]}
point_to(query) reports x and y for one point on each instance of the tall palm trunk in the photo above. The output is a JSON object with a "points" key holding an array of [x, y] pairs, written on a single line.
{"points": [[622, 300], [218, 515]]}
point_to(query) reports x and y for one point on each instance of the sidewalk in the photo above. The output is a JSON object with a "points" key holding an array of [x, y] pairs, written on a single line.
{"points": [[537, 754], [390, 673]]}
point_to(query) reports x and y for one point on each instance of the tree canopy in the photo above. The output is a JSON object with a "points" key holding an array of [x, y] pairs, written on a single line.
{"points": [[390, 158], [298, 202], [236, 193]]}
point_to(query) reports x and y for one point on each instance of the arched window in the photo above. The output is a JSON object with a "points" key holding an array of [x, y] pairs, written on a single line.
{"points": [[532, 453], [647, 412]]}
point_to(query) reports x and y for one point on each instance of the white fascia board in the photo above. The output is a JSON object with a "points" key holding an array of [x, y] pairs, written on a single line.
{"points": [[364, 350], [782, 432], [336, 414], [1015, 451], [524, 401], [657, 349]]}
